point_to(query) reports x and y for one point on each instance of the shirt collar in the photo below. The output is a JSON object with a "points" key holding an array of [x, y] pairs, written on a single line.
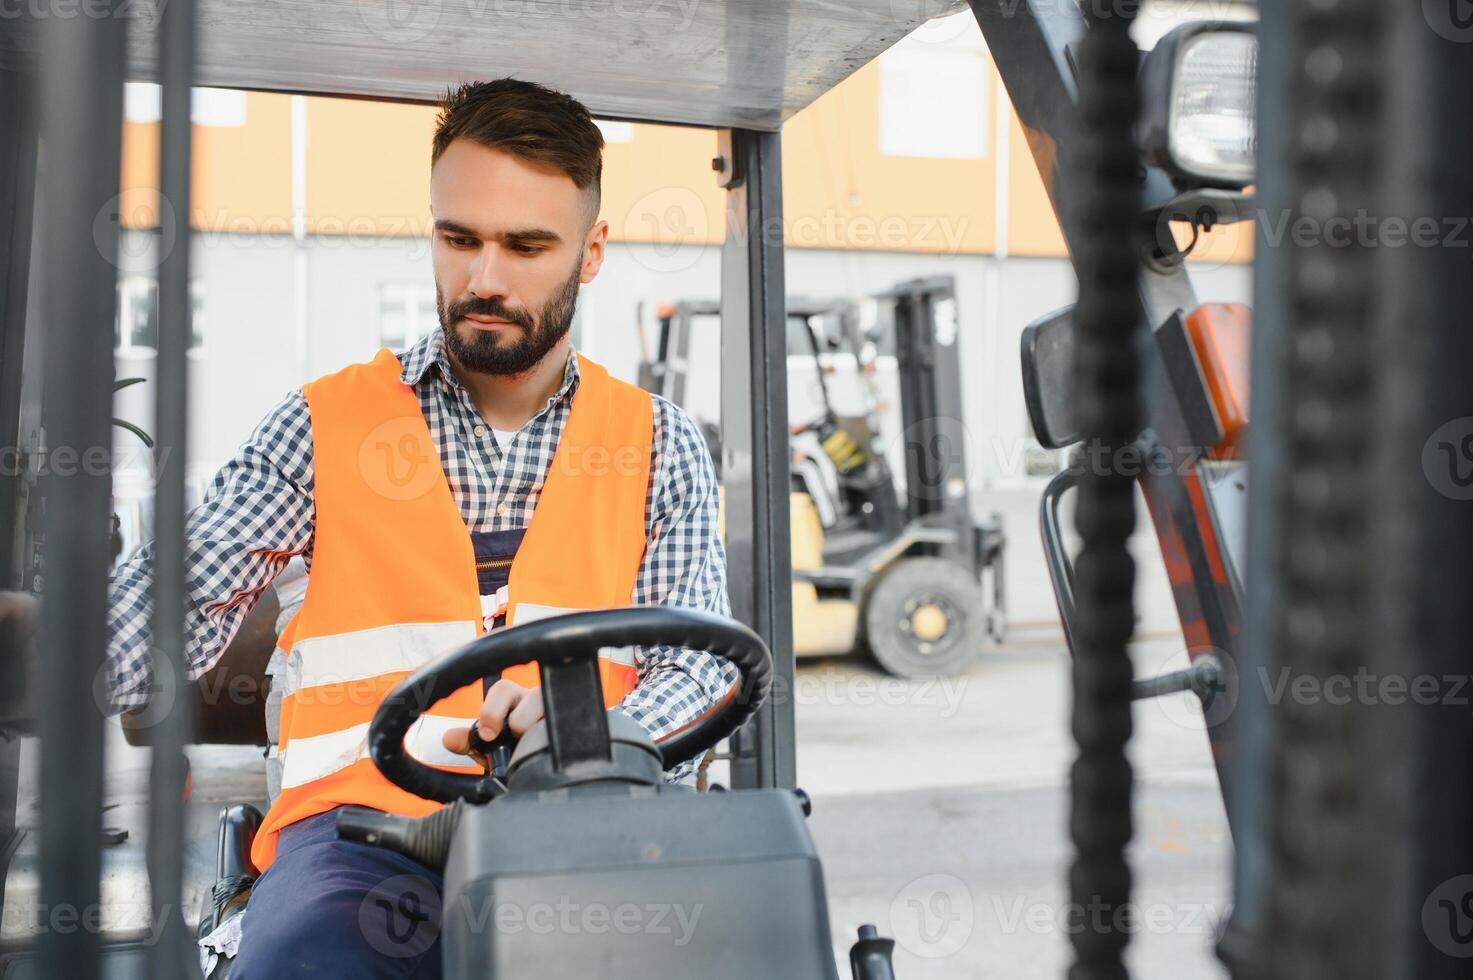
{"points": [[419, 360]]}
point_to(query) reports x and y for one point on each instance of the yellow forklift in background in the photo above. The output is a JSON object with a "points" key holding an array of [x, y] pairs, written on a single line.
{"points": [[886, 553]]}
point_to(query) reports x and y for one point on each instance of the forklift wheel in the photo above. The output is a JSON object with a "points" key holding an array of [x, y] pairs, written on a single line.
{"points": [[925, 618]]}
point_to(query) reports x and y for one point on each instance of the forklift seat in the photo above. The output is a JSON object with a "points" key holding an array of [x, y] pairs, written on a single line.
{"points": [[230, 698], [233, 703]]}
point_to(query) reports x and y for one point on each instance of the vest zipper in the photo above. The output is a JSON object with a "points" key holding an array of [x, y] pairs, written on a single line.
{"points": [[493, 563]]}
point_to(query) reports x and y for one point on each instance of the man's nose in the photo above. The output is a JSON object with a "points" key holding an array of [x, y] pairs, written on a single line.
{"points": [[487, 274]]}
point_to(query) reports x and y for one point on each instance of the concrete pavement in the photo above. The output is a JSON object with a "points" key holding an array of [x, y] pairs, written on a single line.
{"points": [[940, 811]]}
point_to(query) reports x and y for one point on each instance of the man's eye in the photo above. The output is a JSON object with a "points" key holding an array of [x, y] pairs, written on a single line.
{"points": [[460, 241], [523, 248]]}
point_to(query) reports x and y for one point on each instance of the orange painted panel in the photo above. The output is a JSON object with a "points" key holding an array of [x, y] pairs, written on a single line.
{"points": [[840, 191], [241, 174], [368, 167]]}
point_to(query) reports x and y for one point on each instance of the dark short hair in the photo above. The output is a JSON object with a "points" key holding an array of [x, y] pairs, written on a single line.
{"points": [[526, 120]]}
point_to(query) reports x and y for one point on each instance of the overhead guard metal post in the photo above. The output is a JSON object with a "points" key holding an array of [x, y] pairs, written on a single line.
{"points": [[754, 428], [171, 955], [81, 119], [17, 204], [1266, 448], [1356, 857], [1329, 599], [17, 198]]}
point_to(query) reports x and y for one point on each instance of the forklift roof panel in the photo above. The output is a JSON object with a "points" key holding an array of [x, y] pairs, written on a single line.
{"points": [[740, 63]]}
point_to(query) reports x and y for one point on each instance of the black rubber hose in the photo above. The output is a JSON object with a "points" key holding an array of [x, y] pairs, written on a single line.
{"points": [[1104, 171]]}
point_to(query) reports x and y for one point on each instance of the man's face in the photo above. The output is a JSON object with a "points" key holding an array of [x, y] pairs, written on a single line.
{"points": [[512, 242]]}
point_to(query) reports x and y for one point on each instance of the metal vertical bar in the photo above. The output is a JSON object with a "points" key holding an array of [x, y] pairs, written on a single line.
{"points": [[1422, 464], [676, 362], [1382, 321], [1400, 334], [169, 769], [1241, 945], [1327, 608], [932, 415], [81, 119], [754, 425], [17, 200], [17, 196]]}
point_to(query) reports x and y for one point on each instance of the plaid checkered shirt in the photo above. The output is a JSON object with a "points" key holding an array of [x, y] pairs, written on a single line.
{"points": [[258, 513]]}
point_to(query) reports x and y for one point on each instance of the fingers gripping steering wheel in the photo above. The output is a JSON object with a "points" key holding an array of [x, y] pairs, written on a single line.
{"points": [[566, 648]]}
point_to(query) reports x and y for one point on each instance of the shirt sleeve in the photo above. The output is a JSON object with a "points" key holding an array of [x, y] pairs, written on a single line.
{"points": [[257, 514], [684, 565]]}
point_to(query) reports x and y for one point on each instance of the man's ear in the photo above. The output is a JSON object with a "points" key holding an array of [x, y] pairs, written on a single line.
{"points": [[593, 251]]}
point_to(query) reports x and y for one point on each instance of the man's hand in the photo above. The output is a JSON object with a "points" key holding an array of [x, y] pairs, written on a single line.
{"points": [[507, 704]]}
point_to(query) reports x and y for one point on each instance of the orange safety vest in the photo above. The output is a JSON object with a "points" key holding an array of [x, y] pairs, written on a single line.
{"points": [[393, 583]]}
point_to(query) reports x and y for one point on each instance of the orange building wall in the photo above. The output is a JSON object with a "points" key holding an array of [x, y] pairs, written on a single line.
{"points": [[242, 175], [840, 191], [368, 174]]}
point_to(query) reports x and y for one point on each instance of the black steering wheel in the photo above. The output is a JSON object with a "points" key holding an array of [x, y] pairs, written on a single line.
{"points": [[566, 648]]}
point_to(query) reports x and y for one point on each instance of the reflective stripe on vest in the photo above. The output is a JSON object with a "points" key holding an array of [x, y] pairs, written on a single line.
{"points": [[393, 582]]}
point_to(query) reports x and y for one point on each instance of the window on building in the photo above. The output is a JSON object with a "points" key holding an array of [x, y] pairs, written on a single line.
{"points": [[405, 313], [136, 329], [933, 102], [143, 101], [615, 132]]}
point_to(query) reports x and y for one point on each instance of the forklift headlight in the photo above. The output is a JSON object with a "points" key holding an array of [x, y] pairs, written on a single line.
{"points": [[1199, 88]]}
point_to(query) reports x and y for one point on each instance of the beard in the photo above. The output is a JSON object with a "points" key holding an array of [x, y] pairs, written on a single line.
{"points": [[490, 351]]}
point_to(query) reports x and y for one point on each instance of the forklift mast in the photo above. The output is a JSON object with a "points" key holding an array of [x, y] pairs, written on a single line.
{"points": [[923, 315]]}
